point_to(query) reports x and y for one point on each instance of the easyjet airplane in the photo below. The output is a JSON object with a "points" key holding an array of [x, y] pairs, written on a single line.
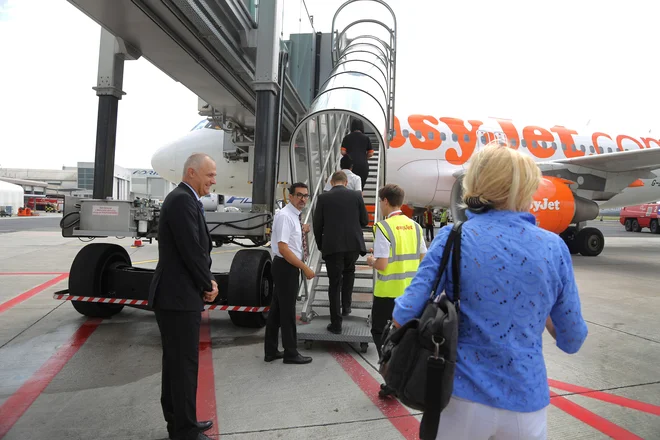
{"points": [[583, 171]]}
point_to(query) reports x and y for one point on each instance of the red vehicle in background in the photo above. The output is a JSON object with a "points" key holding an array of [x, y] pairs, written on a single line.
{"points": [[634, 218]]}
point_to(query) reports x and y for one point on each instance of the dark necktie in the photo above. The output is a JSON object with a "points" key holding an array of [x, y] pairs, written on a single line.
{"points": [[201, 206], [304, 240]]}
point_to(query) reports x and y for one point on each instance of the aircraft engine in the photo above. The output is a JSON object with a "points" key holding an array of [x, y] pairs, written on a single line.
{"points": [[555, 206]]}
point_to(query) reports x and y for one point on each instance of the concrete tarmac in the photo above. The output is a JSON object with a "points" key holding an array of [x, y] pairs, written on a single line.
{"points": [[63, 376]]}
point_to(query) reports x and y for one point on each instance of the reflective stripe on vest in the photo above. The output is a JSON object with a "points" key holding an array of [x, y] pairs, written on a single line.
{"points": [[405, 237]]}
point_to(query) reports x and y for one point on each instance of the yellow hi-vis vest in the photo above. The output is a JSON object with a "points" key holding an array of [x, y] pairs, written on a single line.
{"points": [[405, 237]]}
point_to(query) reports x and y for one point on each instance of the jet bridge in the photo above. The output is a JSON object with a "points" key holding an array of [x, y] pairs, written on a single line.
{"points": [[361, 85], [256, 82]]}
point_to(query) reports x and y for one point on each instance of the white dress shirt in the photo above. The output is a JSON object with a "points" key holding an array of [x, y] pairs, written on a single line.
{"points": [[194, 192], [287, 229], [354, 181], [382, 245]]}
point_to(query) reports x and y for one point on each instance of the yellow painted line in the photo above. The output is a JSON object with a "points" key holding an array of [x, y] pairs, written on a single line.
{"points": [[212, 253]]}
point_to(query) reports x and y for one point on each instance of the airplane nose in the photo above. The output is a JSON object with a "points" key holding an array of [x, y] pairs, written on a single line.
{"points": [[163, 162]]}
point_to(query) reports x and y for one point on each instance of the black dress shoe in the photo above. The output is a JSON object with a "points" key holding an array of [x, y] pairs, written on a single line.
{"points": [[205, 425], [300, 359], [346, 311], [271, 357], [336, 329]]}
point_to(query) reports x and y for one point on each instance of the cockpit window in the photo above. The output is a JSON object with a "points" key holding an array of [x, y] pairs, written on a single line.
{"points": [[199, 125], [206, 124]]}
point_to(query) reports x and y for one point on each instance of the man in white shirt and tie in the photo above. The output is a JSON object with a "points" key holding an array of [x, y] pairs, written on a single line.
{"points": [[289, 250], [354, 182]]}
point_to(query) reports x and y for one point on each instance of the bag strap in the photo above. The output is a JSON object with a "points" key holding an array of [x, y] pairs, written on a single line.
{"points": [[435, 367], [455, 232]]}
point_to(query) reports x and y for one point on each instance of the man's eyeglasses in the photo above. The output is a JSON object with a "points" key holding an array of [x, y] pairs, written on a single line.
{"points": [[302, 196]]}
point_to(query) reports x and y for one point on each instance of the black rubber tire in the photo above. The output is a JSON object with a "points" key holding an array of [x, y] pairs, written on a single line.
{"points": [[250, 284], [88, 277], [590, 242], [570, 238], [635, 226], [654, 227], [628, 225]]}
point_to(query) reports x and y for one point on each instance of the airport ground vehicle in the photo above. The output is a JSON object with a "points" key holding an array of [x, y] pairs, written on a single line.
{"points": [[637, 217]]}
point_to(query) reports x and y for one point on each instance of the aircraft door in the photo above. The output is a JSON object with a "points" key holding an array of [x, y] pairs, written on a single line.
{"points": [[484, 137]]}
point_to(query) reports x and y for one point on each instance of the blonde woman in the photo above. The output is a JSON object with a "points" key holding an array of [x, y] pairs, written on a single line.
{"points": [[516, 280]]}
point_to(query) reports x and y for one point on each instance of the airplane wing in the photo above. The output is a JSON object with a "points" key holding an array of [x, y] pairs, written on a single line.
{"points": [[637, 162]]}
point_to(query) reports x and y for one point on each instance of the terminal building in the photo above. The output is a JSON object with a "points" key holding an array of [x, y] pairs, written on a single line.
{"points": [[44, 189]]}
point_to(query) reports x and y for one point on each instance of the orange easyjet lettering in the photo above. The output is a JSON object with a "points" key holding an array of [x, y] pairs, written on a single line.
{"points": [[594, 139], [457, 126], [621, 137], [510, 132], [647, 142], [430, 134], [398, 139], [566, 138], [534, 140]]}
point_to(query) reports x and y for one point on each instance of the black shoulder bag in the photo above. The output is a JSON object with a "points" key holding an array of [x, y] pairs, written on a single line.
{"points": [[419, 359]]}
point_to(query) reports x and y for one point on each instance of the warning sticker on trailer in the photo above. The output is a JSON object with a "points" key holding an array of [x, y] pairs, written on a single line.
{"points": [[105, 210]]}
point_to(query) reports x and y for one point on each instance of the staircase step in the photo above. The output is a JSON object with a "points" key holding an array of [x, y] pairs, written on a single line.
{"points": [[359, 275], [356, 289], [362, 305]]}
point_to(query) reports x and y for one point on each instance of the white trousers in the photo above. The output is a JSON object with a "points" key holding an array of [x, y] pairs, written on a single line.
{"points": [[466, 420]]}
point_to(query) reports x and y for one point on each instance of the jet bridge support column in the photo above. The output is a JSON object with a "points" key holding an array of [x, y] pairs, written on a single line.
{"points": [[112, 53], [267, 119]]}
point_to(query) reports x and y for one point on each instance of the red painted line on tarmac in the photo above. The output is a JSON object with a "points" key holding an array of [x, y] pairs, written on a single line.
{"points": [[19, 402], [595, 421], [397, 414], [206, 406], [32, 273], [30, 293], [606, 397]]}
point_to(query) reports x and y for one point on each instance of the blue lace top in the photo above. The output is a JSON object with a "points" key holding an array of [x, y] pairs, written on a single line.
{"points": [[513, 275]]}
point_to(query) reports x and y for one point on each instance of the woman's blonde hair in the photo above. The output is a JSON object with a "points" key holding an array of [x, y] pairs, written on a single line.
{"points": [[501, 177]]}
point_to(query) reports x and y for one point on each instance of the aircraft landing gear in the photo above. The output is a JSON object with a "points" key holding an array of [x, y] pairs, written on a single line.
{"points": [[586, 241]]}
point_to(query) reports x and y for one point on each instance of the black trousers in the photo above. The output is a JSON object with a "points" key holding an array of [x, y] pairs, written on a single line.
{"points": [[283, 309], [179, 333], [430, 233], [341, 274], [381, 312]]}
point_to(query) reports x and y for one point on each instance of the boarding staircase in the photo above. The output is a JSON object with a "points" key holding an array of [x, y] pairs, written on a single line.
{"points": [[361, 85]]}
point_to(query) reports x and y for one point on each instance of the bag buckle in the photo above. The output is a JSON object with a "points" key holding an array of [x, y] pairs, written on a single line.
{"points": [[437, 346]]}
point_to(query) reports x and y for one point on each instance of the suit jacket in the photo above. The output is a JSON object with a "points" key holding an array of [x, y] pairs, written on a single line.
{"points": [[183, 272], [339, 218]]}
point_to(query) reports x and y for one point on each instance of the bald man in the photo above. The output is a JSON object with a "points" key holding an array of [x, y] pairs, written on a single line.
{"points": [[181, 284]]}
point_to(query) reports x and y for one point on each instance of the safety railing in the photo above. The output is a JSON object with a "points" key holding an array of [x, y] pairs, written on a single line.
{"points": [[360, 86]]}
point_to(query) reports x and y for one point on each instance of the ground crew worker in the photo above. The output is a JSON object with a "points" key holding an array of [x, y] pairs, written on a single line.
{"points": [[444, 217], [398, 249], [429, 224]]}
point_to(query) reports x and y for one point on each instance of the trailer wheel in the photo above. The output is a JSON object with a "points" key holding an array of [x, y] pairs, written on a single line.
{"points": [[654, 227], [88, 277], [628, 225], [250, 284]]}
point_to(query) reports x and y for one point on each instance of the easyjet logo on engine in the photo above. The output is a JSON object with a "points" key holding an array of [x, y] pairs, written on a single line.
{"points": [[545, 205], [537, 139]]}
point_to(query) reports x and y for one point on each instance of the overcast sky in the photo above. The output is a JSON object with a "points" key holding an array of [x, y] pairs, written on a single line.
{"points": [[559, 62]]}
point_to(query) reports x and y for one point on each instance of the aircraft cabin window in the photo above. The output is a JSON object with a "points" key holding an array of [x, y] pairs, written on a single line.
{"points": [[591, 149], [483, 139], [554, 146], [544, 144], [514, 142], [601, 150], [563, 146], [609, 150], [573, 147], [454, 137], [584, 150], [405, 133], [535, 144], [523, 143], [430, 136], [443, 136], [466, 138], [418, 134]]}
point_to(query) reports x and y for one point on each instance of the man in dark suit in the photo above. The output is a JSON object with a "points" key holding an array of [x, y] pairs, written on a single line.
{"points": [[339, 218], [181, 284]]}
